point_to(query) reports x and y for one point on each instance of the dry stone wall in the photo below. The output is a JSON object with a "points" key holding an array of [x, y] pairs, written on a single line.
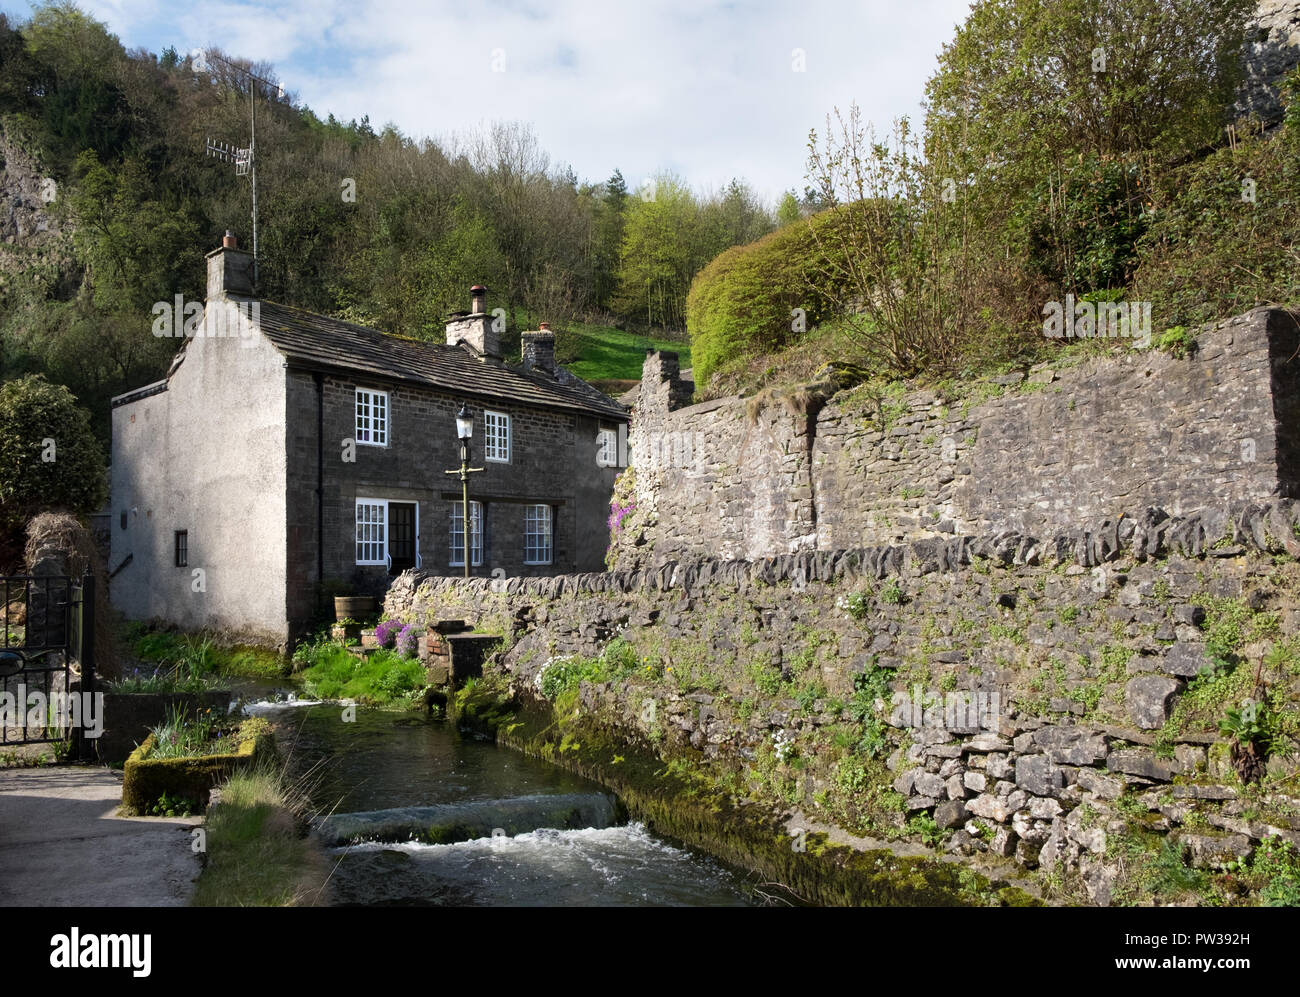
{"points": [[1029, 688], [790, 471]]}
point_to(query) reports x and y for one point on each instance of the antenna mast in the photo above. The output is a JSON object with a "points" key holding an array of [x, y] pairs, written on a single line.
{"points": [[245, 160]]}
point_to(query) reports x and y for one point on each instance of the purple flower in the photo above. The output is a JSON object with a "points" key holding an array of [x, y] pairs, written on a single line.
{"points": [[407, 641], [387, 632], [617, 513]]}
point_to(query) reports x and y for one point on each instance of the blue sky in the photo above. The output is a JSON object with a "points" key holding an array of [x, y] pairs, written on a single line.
{"points": [[707, 90]]}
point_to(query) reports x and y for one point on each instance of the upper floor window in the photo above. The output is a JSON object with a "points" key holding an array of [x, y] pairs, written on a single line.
{"points": [[538, 537], [182, 539], [607, 448], [372, 417], [372, 531], [458, 534], [496, 436]]}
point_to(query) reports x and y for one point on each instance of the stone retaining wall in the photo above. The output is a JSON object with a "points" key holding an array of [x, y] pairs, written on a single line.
{"points": [[815, 469], [1030, 683]]}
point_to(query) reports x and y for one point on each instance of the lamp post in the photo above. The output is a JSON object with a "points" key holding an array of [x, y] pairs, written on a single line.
{"points": [[464, 432]]}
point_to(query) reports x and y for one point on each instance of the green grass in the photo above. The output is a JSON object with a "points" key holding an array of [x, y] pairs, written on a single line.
{"points": [[382, 677], [181, 735], [608, 354], [255, 855], [194, 661]]}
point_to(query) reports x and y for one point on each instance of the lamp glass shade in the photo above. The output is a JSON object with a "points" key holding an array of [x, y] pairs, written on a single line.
{"points": [[464, 424]]}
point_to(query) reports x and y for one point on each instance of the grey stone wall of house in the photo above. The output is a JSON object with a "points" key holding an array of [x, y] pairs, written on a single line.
{"points": [[1033, 681], [206, 454], [788, 471], [552, 462]]}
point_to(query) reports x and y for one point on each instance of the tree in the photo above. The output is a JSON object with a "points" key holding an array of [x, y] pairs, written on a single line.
{"points": [[656, 258], [1046, 116], [610, 210], [788, 210], [49, 458]]}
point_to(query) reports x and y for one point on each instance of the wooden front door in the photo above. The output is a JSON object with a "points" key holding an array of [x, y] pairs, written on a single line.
{"points": [[401, 536]]}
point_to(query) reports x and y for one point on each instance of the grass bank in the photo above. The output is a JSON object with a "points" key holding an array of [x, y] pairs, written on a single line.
{"points": [[381, 678], [173, 661], [258, 852], [603, 353]]}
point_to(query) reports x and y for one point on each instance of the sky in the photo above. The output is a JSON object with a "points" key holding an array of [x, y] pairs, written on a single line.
{"points": [[709, 91]]}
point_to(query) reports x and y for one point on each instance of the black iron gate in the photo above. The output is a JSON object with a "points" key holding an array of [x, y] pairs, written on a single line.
{"points": [[47, 659]]}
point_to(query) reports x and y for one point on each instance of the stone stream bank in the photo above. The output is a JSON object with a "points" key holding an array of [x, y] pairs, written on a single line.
{"points": [[1050, 705]]}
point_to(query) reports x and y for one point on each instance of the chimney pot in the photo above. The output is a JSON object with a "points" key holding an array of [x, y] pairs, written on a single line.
{"points": [[229, 241], [544, 326], [478, 299]]}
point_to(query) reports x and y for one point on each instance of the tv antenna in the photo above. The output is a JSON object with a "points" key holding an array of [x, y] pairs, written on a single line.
{"points": [[245, 159]]}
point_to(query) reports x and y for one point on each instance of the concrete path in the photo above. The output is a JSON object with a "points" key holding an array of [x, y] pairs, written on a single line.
{"points": [[62, 846]]}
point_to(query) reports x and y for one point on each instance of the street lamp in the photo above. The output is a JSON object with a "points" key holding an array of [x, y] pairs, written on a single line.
{"points": [[464, 433]]}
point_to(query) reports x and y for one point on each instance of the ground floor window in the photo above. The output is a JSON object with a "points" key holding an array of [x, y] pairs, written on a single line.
{"points": [[458, 534], [388, 533], [372, 531], [537, 534]]}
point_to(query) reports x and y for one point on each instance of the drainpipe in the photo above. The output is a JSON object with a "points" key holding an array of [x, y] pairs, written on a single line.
{"points": [[320, 482]]}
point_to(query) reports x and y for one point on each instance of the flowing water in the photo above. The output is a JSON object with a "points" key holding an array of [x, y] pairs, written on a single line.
{"points": [[520, 832]]}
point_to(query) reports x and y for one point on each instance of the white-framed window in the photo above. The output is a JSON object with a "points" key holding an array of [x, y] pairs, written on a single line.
{"points": [[458, 534], [537, 534], [496, 436], [372, 417], [607, 448], [385, 532], [372, 531]]}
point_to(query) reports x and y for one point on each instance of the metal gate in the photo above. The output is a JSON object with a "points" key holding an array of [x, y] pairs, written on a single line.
{"points": [[47, 658]]}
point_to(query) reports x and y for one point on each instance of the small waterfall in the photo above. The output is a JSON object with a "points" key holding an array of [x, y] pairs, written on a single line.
{"points": [[451, 822]]}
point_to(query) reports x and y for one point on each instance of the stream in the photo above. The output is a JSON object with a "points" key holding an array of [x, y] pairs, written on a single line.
{"points": [[519, 832]]}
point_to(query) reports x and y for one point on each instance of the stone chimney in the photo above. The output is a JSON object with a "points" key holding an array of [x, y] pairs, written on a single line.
{"points": [[662, 387], [230, 269], [539, 349], [476, 327]]}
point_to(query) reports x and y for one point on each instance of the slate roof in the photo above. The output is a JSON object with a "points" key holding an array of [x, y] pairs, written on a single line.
{"points": [[317, 342]]}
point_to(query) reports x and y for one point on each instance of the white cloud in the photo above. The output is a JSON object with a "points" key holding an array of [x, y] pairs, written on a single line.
{"points": [[704, 89]]}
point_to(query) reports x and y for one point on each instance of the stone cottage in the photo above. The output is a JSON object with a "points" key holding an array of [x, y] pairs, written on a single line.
{"points": [[288, 454]]}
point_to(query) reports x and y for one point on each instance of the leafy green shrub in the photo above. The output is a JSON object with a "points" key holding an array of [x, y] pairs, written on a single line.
{"points": [[743, 302], [1222, 239], [49, 457]]}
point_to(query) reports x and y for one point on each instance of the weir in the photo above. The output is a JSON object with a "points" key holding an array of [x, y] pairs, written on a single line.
{"points": [[454, 822]]}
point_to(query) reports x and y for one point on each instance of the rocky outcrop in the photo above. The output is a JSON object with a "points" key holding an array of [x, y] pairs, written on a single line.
{"points": [[1272, 51], [26, 193]]}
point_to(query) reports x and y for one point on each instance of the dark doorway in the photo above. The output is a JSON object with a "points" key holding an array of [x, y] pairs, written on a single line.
{"points": [[401, 536]]}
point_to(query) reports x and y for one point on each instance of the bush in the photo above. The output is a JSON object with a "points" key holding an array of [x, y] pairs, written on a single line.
{"points": [[742, 302], [407, 642], [386, 633], [1211, 251], [49, 458], [383, 677]]}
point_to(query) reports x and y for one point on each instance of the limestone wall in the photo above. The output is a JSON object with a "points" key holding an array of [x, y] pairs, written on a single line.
{"points": [[1025, 685], [784, 472]]}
